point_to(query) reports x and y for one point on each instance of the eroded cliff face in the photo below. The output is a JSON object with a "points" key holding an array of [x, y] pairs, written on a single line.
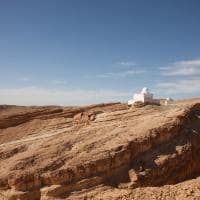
{"points": [[106, 151]]}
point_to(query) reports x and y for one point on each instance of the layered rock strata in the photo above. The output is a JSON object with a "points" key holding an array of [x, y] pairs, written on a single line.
{"points": [[87, 152]]}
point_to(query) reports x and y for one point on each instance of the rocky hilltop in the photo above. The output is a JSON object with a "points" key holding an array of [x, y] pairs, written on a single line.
{"points": [[105, 151]]}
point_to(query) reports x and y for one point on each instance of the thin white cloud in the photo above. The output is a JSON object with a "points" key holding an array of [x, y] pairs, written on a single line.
{"points": [[180, 87], [58, 82], [24, 79], [121, 74], [45, 96], [121, 70], [185, 68], [126, 64]]}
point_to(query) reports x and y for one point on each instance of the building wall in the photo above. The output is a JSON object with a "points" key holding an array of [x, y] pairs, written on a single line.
{"points": [[144, 98]]}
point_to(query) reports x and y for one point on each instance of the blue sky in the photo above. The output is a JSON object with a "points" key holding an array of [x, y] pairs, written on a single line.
{"points": [[75, 52]]}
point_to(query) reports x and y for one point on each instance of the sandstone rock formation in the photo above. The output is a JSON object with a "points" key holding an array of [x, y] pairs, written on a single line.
{"points": [[106, 151]]}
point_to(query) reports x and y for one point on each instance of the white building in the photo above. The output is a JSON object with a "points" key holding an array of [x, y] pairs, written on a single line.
{"points": [[145, 96], [168, 100]]}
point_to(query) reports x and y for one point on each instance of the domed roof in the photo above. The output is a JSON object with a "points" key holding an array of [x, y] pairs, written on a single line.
{"points": [[145, 90]]}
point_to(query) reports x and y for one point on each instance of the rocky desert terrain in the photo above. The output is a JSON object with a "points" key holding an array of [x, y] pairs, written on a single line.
{"points": [[106, 151]]}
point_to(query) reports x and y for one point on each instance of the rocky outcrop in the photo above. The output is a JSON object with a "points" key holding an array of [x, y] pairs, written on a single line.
{"points": [[69, 152]]}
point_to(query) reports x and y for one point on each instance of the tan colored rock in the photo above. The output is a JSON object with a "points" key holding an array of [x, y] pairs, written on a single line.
{"points": [[106, 151]]}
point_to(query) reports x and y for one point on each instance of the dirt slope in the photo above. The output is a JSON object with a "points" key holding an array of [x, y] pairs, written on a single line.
{"points": [[106, 151]]}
